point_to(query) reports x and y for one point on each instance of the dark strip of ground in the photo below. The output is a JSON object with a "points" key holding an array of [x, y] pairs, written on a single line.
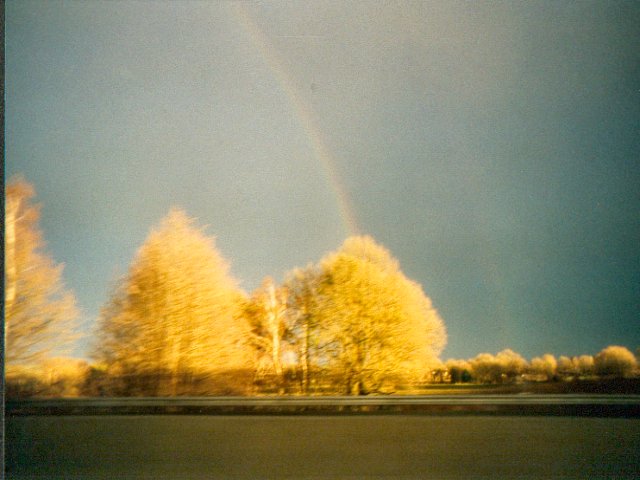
{"points": [[622, 406]]}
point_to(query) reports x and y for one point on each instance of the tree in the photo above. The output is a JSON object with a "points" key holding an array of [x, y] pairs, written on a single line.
{"points": [[373, 324], [302, 288], [615, 361], [575, 366], [64, 376], [266, 313], [512, 363], [459, 370], [40, 311], [486, 368], [505, 366], [584, 364], [546, 365], [176, 316]]}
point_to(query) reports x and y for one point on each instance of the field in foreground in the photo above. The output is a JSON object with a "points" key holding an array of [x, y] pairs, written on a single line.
{"points": [[315, 447]]}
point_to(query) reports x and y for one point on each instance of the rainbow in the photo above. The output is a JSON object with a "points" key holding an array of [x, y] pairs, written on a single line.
{"points": [[304, 114]]}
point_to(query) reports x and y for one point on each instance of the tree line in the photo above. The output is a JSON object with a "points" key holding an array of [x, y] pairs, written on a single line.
{"points": [[72, 377], [507, 366], [177, 323]]}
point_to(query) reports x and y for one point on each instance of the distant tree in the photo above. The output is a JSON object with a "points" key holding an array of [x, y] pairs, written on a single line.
{"points": [[615, 361], [459, 370], [23, 381], [53, 377], [512, 363], [373, 322], [584, 364], [580, 366], [176, 316], [39, 311], [266, 312], [546, 365], [566, 367], [485, 368], [438, 373], [98, 382], [501, 368], [64, 376]]}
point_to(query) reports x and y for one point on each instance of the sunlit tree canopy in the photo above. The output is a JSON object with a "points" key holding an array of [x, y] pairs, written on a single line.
{"points": [[266, 312], [39, 311], [576, 366], [177, 313], [503, 367], [546, 365], [615, 361], [302, 302], [373, 322]]}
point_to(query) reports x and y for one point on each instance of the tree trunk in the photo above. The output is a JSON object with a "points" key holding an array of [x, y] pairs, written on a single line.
{"points": [[273, 319], [305, 358]]}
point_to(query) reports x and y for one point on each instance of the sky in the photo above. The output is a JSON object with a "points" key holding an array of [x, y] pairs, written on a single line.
{"points": [[492, 147]]}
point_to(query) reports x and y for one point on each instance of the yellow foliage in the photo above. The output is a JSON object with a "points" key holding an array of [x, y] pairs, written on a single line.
{"points": [[546, 365], [53, 377], [39, 311], [615, 361], [266, 313], [177, 313], [504, 366], [373, 324], [569, 366]]}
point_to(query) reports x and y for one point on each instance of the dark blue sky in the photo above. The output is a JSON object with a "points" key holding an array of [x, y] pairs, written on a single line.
{"points": [[493, 147]]}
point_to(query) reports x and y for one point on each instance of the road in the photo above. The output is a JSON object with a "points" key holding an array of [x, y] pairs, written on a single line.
{"points": [[318, 447]]}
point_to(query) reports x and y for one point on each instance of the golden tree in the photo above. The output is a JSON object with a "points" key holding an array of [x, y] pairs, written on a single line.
{"points": [[375, 325], [546, 365], [504, 367], [266, 313], [615, 361], [177, 314], [40, 312], [302, 288]]}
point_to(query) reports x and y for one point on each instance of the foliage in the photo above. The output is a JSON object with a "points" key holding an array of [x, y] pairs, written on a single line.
{"points": [[546, 365], [177, 323], [266, 313], [40, 312], [53, 377], [175, 319], [372, 324], [301, 285], [615, 361], [501, 368], [579, 366], [459, 370]]}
